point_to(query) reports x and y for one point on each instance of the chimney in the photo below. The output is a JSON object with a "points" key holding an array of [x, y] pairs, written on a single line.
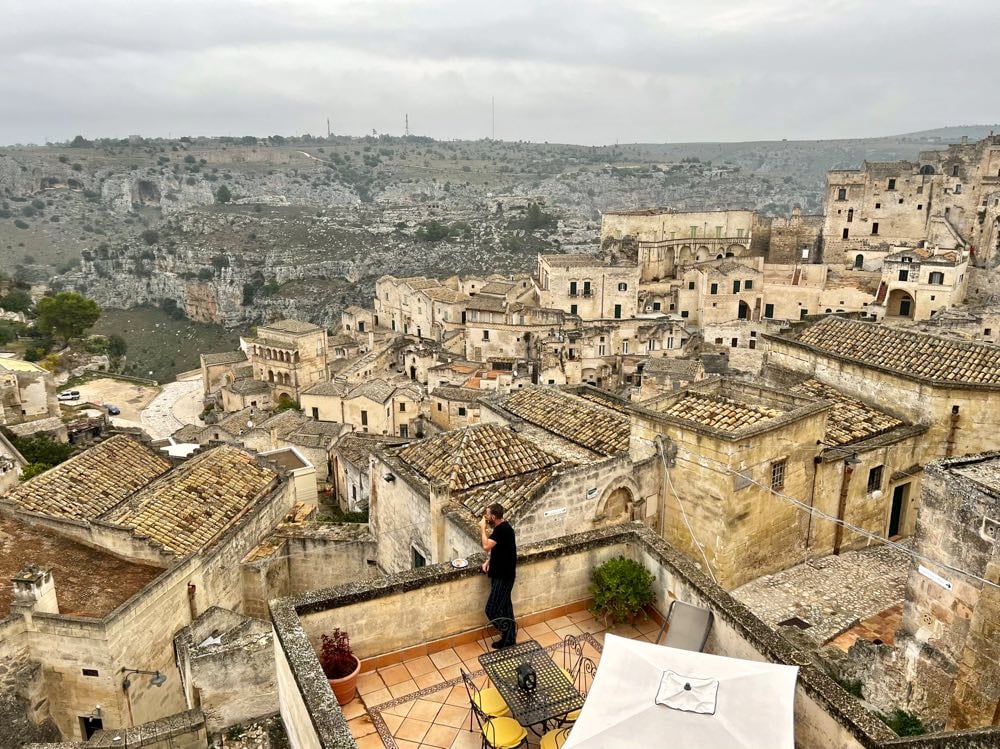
{"points": [[35, 587]]}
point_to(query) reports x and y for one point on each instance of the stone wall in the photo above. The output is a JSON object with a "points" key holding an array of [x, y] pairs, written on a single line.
{"points": [[181, 731]]}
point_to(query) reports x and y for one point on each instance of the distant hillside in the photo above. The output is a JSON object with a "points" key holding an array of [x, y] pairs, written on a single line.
{"points": [[953, 134]]}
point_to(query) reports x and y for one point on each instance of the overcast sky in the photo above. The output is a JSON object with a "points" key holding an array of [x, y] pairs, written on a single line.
{"points": [[560, 70]]}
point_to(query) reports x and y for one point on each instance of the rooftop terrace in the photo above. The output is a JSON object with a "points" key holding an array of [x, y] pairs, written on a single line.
{"points": [[415, 629]]}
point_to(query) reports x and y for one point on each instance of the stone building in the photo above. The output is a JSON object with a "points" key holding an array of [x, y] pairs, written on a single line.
{"points": [[944, 197], [916, 283], [113, 552], [454, 407], [659, 375], [665, 242], [12, 464], [945, 662], [588, 287], [27, 392], [376, 406], [350, 467], [219, 369], [289, 356], [946, 384]]}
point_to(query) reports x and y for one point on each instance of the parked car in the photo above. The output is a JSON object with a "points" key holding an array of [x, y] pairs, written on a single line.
{"points": [[69, 395], [112, 409]]}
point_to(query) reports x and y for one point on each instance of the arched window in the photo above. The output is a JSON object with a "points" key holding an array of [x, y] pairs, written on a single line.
{"points": [[859, 262], [937, 278]]}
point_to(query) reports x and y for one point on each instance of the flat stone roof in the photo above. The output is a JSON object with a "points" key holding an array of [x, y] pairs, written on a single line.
{"points": [[89, 582]]}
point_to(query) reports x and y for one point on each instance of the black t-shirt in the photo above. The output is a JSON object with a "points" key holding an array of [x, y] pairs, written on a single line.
{"points": [[503, 557]]}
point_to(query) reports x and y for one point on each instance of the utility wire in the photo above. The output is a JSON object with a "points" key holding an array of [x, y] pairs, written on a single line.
{"points": [[680, 504], [843, 523]]}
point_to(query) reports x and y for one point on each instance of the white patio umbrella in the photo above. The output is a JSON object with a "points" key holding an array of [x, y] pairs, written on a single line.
{"points": [[647, 695]]}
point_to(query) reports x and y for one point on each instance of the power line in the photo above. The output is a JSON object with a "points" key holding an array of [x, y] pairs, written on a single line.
{"points": [[843, 523], [680, 504]]}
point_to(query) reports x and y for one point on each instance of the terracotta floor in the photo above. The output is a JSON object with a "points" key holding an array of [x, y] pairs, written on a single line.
{"points": [[882, 627], [422, 703]]}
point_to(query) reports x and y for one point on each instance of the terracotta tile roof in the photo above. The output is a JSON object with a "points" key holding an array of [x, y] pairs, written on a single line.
{"points": [[683, 368], [908, 353], [91, 483], [850, 420], [444, 294], [186, 509], [284, 422], [512, 493], [585, 423], [289, 326], [487, 303], [718, 412], [419, 283], [224, 357], [575, 260], [247, 387], [357, 446], [497, 287], [475, 455], [335, 389]]}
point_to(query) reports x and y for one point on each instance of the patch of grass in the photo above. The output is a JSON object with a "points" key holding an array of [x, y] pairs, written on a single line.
{"points": [[162, 344], [903, 723]]}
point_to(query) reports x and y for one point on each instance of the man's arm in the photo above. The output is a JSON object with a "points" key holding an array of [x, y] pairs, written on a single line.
{"points": [[487, 542]]}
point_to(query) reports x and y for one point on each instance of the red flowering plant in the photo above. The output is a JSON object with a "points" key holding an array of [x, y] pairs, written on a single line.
{"points": [[336, 657]]}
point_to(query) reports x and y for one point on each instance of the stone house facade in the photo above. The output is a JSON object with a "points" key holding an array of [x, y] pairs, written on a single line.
{"points": [[289, 356], [27, 392]]}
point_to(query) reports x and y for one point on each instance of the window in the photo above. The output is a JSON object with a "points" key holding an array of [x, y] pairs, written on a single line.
{"points": [[486, 335], [694, 232], [769, 310], [892, 183], [656, 306], [875, 227], [844, 235], [920, 206], [718, 341], [753, 344], [920, 189], [904, 275], [901, 201], [842, 193], [572, 309], [748, 284], [736, 287], [718, 232], [954, 171], [958, 189], [987, 331], [315, 411], [439, 405], [875, 479], [878, 205], [572, 288], [850, 215], [90, 672], [623, 287], [734, 342], [739, 233], [419, 560], [601, 350], [404, 430], [713, 289], [937, 278], [461, 410], [690, 285], [778, 475], [684, 313], [618, 311], [625, 346], [402, 407], [586, 288]]}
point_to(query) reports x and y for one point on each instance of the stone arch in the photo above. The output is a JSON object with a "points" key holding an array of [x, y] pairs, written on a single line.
{"points": [[686, 256], [899, 304], [616, 503], [743, 311], [286, 396], [703, 254], [270, 376], [735, 250], [859, 261], [927, 169]]}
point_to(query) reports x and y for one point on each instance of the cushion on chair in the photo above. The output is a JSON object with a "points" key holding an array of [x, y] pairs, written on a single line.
{"points": [[491, 703], [554, 739], [504, 733]]}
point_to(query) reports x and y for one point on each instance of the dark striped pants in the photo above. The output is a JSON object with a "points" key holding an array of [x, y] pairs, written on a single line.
{"points": [[500, 610]]}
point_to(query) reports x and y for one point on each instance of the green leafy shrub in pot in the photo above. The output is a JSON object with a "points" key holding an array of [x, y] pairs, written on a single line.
{"points": [[621, 588]]}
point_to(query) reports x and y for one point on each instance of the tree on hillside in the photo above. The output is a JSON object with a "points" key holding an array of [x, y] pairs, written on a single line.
{"points": [[80, 142], [67, 314], [223, 195], [116, 346], [18, 300]]}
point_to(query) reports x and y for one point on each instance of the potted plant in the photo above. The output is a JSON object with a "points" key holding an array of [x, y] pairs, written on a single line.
{"points": [[340, 665], [622, 588]]}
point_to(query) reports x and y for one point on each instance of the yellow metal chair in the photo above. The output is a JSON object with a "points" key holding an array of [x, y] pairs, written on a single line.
{"points": [[487, 701], [555, 738]]}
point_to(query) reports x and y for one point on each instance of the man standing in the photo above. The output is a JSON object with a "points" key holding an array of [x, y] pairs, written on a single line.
{"points": [[501, 566]]}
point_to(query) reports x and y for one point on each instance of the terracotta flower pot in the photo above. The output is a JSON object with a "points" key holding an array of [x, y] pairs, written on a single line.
{"points": [[345, 687]]}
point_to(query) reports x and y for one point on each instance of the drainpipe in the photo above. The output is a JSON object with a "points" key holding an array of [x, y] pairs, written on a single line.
{"points": [[845, 482], [812, 500], [192, 589], [952, 429]]}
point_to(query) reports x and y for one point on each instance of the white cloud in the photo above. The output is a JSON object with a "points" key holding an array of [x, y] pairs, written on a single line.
{"points": [[585, 71]]}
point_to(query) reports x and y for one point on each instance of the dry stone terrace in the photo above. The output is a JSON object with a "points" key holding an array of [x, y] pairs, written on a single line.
{"points": [[414, 624]]}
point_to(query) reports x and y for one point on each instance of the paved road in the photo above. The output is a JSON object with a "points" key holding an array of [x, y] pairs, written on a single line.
{"points": [[178, 403]]}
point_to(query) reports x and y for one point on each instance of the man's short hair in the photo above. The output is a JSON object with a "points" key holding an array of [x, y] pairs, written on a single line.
{"points": [[496, 510]]}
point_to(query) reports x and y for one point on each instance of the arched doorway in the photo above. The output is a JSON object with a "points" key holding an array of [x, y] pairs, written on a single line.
{"points": [[899, 304], [744, 311], [735, 250], [686, 256], [703, 254], [859, 262]]}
